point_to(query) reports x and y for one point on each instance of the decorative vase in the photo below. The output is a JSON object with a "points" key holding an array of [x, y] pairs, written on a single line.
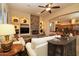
{"points": [[6, 46]]}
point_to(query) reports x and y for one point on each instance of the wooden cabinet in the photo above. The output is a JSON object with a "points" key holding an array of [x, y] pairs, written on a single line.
{"points": [[62, 47]]}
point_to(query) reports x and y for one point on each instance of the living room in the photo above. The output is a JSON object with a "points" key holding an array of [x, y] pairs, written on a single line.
{"points": [[35, 27]]}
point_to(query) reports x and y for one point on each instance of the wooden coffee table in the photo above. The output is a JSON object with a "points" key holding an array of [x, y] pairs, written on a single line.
{"points": [[15, 49]]}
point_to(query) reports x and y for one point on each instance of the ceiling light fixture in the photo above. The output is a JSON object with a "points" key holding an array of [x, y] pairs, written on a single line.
{"points": [[47, 9]]}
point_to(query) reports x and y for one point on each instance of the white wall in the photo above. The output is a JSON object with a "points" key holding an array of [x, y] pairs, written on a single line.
{"points": [[17, 13], [68, 9], [45, 25]]}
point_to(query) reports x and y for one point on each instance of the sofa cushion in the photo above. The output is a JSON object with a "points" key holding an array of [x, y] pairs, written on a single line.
{"points": [[49, 38], [52, 37], [37, 41]]}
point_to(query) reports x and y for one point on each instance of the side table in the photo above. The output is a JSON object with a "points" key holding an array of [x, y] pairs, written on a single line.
{"points": [[15, 49], [62, 47]]}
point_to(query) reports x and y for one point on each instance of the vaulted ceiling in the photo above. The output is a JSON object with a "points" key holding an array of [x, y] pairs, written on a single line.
{"points": [[33, 8]]}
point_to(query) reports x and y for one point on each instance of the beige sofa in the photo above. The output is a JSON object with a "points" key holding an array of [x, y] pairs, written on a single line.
{"points": [[39, 46]]}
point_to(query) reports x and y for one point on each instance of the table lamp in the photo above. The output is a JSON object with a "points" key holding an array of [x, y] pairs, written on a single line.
{"points": [[6, 30]]}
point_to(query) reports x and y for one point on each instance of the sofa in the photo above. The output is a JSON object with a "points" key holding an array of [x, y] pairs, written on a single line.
{"points": [[39, 46]]}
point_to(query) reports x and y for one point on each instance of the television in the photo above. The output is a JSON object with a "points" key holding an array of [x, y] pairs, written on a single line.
{"points": [[24, 30]]}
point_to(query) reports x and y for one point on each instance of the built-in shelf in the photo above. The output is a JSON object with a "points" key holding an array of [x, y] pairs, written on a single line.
{"points": [[21, 24]]}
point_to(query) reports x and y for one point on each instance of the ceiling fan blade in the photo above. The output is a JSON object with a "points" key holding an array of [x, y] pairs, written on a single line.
{"points": [[49, 11], [42, 11], [42, 6], [55, 7]]}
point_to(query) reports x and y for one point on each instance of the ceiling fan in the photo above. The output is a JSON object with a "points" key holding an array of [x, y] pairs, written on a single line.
{"points": [[48, 7]]}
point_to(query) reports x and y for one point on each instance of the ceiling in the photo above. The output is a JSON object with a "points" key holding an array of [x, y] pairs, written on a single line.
{"points": [[68, 17], [33, 8]]}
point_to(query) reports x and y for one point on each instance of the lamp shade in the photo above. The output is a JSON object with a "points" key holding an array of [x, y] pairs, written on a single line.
{"points": [[7, 29]]}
